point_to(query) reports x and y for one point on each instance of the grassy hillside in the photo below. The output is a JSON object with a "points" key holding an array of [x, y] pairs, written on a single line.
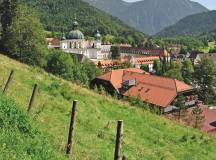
{"points": [[20, 137], [192, 25], [146, 136]]}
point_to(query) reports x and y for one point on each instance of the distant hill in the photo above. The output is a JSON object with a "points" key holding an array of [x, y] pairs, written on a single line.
{"points": [[149, 16], [58, 15], [192, 25]]}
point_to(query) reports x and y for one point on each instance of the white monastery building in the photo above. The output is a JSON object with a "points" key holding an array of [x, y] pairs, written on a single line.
{"points": [[75, 43]]}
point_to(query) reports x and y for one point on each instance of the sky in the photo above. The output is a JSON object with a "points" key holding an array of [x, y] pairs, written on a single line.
{"points": [[210, 4]]}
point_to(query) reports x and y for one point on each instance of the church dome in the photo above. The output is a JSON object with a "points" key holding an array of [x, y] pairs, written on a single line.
{"points": [[98, 35], [76, 34]]}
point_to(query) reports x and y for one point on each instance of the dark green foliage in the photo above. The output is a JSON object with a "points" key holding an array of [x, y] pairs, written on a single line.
{"points": [[174, 71], [192, 25], [116, 53], [58, 15], [20, 137], [26, 41], [7, 12], [145, 68], [60, 63], [212, 50], [68, 67], [198, 117], [205, 79], [180, 104], [187, 71], [158, 67]]}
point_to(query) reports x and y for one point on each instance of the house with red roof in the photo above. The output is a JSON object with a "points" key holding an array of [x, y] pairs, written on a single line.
{"points": [[157, 90]]}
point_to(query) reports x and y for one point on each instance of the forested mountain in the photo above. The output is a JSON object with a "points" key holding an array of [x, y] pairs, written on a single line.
{"points": [[149, 16], [192, 25], [58, 15]]}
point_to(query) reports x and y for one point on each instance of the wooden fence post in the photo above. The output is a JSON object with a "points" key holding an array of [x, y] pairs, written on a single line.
{"points": [[69, 148], [119, 135], [124, 158], [8, 81], [33, 96]]}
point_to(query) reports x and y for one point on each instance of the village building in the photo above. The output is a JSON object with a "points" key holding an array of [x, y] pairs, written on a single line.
{"points": [[75, 43], [195, 57], [134, 51], [156, 90], [53, 43], [137, 62]]}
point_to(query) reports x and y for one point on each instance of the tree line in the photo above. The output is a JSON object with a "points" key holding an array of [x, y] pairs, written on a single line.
{"points": [[23, 38], [202, 75]]}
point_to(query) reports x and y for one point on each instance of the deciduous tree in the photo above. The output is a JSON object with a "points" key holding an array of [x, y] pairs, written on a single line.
{"points": [[27, 39], [205, 79]]}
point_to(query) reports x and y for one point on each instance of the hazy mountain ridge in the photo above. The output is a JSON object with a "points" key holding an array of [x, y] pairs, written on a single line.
{"points": [[149, 16], [192, 25]]}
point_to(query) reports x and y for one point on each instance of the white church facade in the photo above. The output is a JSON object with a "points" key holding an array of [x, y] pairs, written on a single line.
{"points": [[75, 43]]}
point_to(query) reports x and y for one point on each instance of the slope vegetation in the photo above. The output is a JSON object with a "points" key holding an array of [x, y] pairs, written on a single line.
{"points": [[58, 15], [149, 16], [146, 136], [20, 137], [192, 25]]}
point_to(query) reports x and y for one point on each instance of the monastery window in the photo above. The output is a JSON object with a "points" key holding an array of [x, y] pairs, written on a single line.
{"points": [[70, 45]]}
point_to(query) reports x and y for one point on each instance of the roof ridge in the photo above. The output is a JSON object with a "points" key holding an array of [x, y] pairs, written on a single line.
{"points": [[160, 86], [176, 86]]}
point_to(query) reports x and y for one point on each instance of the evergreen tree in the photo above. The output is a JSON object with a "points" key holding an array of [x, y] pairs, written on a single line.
{"points": [[187, 71], [205, 79], [158, 67], [180, 104], [198, 117], [7, 12]]}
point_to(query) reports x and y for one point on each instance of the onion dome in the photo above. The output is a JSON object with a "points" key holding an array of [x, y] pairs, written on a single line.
{"points": [[63, 37], [75, 33], [98, 35]]}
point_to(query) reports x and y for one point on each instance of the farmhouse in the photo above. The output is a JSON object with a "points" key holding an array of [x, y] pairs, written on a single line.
{"points": [[159, 91]]}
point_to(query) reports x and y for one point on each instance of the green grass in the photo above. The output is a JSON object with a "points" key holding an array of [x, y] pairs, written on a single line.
{"points": [[146, 136], [20, 137]]}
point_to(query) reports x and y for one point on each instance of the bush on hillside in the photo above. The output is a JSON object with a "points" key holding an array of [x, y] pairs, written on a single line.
{"points": [[20, 137], [68, 67]]}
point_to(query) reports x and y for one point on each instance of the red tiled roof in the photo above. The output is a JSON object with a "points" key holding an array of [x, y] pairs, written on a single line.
{"points": [[115, 76], [136, 60], [157, 90], [145, 60], [53, 41], [181, 86]]}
